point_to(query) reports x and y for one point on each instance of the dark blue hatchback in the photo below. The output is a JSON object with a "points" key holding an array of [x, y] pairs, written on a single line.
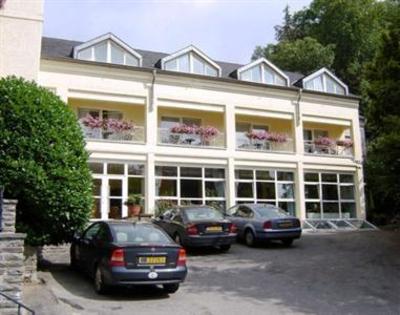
{"points": [[123, 253]]}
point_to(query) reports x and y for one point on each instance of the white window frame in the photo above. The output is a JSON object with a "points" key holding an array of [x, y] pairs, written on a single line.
{"points": [[323, 72], [263, 63]]}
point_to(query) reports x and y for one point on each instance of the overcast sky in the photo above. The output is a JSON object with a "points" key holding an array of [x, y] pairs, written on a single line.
{"points": [[226, 30]]}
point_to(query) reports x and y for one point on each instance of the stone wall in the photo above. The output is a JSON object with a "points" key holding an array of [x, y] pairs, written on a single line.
{"points": [[11, 259]]}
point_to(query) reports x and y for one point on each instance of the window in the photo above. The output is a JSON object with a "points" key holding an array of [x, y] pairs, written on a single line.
{"points": [[190, 185], [325, 82], [329, 195], [266, 186], [92, 231], [110, 51], [262, 71], [191, 61]]}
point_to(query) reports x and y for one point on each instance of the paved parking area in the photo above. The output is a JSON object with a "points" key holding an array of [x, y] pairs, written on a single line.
{"points": [[345, 273]]}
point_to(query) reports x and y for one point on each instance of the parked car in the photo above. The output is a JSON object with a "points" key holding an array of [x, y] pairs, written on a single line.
{"points": [[264, 222], [198, 226], [123, 253]]}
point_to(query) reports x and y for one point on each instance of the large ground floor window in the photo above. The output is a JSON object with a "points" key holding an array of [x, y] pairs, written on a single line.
{"points": [[329, 195], [266, 186], [184, 185], [112, 183]]}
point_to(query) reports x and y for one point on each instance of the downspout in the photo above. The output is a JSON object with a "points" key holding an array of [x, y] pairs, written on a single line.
{"points": [[152, 94], [298, 106]]}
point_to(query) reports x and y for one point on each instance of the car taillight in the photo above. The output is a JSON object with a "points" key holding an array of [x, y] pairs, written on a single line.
{"points": [[192, 230], [267, 225], [181, 258], [232, 228], [117, 258]]}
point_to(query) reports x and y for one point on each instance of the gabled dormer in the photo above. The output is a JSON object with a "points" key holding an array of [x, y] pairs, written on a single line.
{"points": [[191, 60], [325, 81], [108, 48], [263, 71]]}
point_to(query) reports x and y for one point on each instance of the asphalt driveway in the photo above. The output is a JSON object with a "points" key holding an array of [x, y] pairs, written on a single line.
{"points": [[345, 273]]}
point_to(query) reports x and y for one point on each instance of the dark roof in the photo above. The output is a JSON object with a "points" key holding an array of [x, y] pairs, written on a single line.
{"points": [[62, 48]]}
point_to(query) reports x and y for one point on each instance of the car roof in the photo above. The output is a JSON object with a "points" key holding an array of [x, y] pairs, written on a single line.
{"points": [[191, 207], [253, 205]]}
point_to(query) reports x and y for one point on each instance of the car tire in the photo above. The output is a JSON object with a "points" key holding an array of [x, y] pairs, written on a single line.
{"points": [[171, 288], [225, 248], [249, 238], [98, 281], [287, 242]]}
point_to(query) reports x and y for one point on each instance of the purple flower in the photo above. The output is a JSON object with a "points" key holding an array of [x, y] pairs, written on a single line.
{"points": [[347, 143], [324, 141]]}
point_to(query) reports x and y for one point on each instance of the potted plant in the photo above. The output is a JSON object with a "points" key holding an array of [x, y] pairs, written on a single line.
{"points": [[134, 204], [347, 143]]}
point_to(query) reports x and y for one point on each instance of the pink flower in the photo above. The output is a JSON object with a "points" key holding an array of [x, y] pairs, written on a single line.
{"points": [[92, 122], [324, 141], [347, 143], [277, 137], [111, 124], [207, 132], [257, 135]]}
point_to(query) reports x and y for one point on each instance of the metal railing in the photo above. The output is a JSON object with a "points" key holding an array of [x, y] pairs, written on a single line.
{"points": [[134, 135], [165, 136], [311, 148], [264, 145], [22, 308]]}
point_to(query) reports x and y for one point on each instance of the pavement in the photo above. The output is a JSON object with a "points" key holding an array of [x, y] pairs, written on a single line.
{"points": [[328, 273]]}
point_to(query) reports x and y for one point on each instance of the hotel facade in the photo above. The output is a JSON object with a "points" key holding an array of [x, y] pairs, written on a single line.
{"points": [[183, 129]]}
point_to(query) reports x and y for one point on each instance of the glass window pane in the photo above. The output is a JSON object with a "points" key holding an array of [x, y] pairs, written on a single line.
{"points": [[83, 112], [311, 191], [191, 172], [331, 208], [117, 54], [115, 209], [347, 192], [191, 121], [215, 173], [330, 192], [131, 60], [289, 207], [169, 122], [285, 191], [115, 169], [135, 169], [135, 185], [265, 190], [183, 62], [265, 175], [85, 54], [100, 52], [112, 114], [348, 210], [340, 89], [189, 202], [287, 176], [171, 65], [96, 168], [115, 187], [191, 188], [268, 75], [246, 75], [216, 204], [96, 190], [215, 189], [166, 187], [96, 208], [244, 174], [346, 178], [256, 74], [330, 84], [211, 71], [311, 177], [198, 65], [244, 190], [166, 171], [313, 210], [279, 80], [329, 178]]}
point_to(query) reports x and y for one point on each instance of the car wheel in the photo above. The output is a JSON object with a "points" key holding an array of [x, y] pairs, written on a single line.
{"points": [[249, 238], [287, 242], [99, 286], [225, 248], [171, 288], [178, 239]]}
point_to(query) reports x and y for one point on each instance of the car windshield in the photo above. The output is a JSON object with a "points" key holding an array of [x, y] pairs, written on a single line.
{"points": [[139, 234], [201, 214], [270, 212]]}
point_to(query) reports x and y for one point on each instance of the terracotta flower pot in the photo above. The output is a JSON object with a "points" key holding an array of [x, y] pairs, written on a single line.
{"points": [[134, 210]]}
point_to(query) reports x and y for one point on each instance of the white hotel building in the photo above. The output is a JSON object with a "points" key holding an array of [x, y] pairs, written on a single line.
{"points": [[195, 130]]}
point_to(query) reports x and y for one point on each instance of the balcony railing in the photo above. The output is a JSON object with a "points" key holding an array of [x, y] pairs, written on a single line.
{"points": [[311, 148], [134, 135], [243, 143], [165, 136]]}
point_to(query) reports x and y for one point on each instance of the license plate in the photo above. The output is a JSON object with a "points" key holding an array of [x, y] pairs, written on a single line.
{"points": [[153, 260], [286, 224], [214, 229]]}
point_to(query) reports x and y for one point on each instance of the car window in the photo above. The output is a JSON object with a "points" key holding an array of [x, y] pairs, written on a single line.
{"points": [[177, 217], [139, 234], [203, 213], [232, 211], [244, 212], [91, 231], [102, 234], [270, 212]]}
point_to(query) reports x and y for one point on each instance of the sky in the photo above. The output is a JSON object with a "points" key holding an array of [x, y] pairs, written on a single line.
{"points": [[226, 30]]}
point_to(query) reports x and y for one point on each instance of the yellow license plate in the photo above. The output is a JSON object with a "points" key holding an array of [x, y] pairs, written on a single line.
{"points": [[214, 229], [286, 224], [153, 260]]}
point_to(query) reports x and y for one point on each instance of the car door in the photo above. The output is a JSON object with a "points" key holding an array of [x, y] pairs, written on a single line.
{"points": [[164, 219], [242, 217], [87, 246], [177, 225]]}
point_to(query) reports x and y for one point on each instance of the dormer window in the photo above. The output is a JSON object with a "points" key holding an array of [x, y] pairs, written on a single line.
{"points": [[191, 60], [325, 81], [108, 48], [263, 71]]}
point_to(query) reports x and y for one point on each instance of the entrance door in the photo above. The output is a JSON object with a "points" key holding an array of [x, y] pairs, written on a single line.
{"points": [[115, 197]]}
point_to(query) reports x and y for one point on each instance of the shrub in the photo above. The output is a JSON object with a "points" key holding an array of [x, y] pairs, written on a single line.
{"points": [[43, 162]]}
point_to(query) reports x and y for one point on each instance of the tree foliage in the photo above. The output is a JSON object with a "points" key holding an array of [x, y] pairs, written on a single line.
{"points": [[301, 55], [43, 162]]}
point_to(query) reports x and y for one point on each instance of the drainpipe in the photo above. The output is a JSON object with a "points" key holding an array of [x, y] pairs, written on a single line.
{"points": [[298, 106], [153, 81]]}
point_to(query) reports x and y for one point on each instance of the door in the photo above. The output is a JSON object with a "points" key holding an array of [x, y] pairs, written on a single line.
{"points": [[241, 217], [114, 204], [87, 246]]}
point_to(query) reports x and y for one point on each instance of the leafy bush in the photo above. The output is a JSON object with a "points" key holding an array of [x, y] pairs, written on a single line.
{"points": [[43, 162]]}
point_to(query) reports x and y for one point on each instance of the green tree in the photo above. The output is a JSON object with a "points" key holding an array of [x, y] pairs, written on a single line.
{"points": [[383, 121], [43, 162], [301, 55]]}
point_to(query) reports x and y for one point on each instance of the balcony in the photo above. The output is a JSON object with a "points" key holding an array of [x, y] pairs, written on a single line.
{"points": [[135, 134], [166, 136], [338, 147]]}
